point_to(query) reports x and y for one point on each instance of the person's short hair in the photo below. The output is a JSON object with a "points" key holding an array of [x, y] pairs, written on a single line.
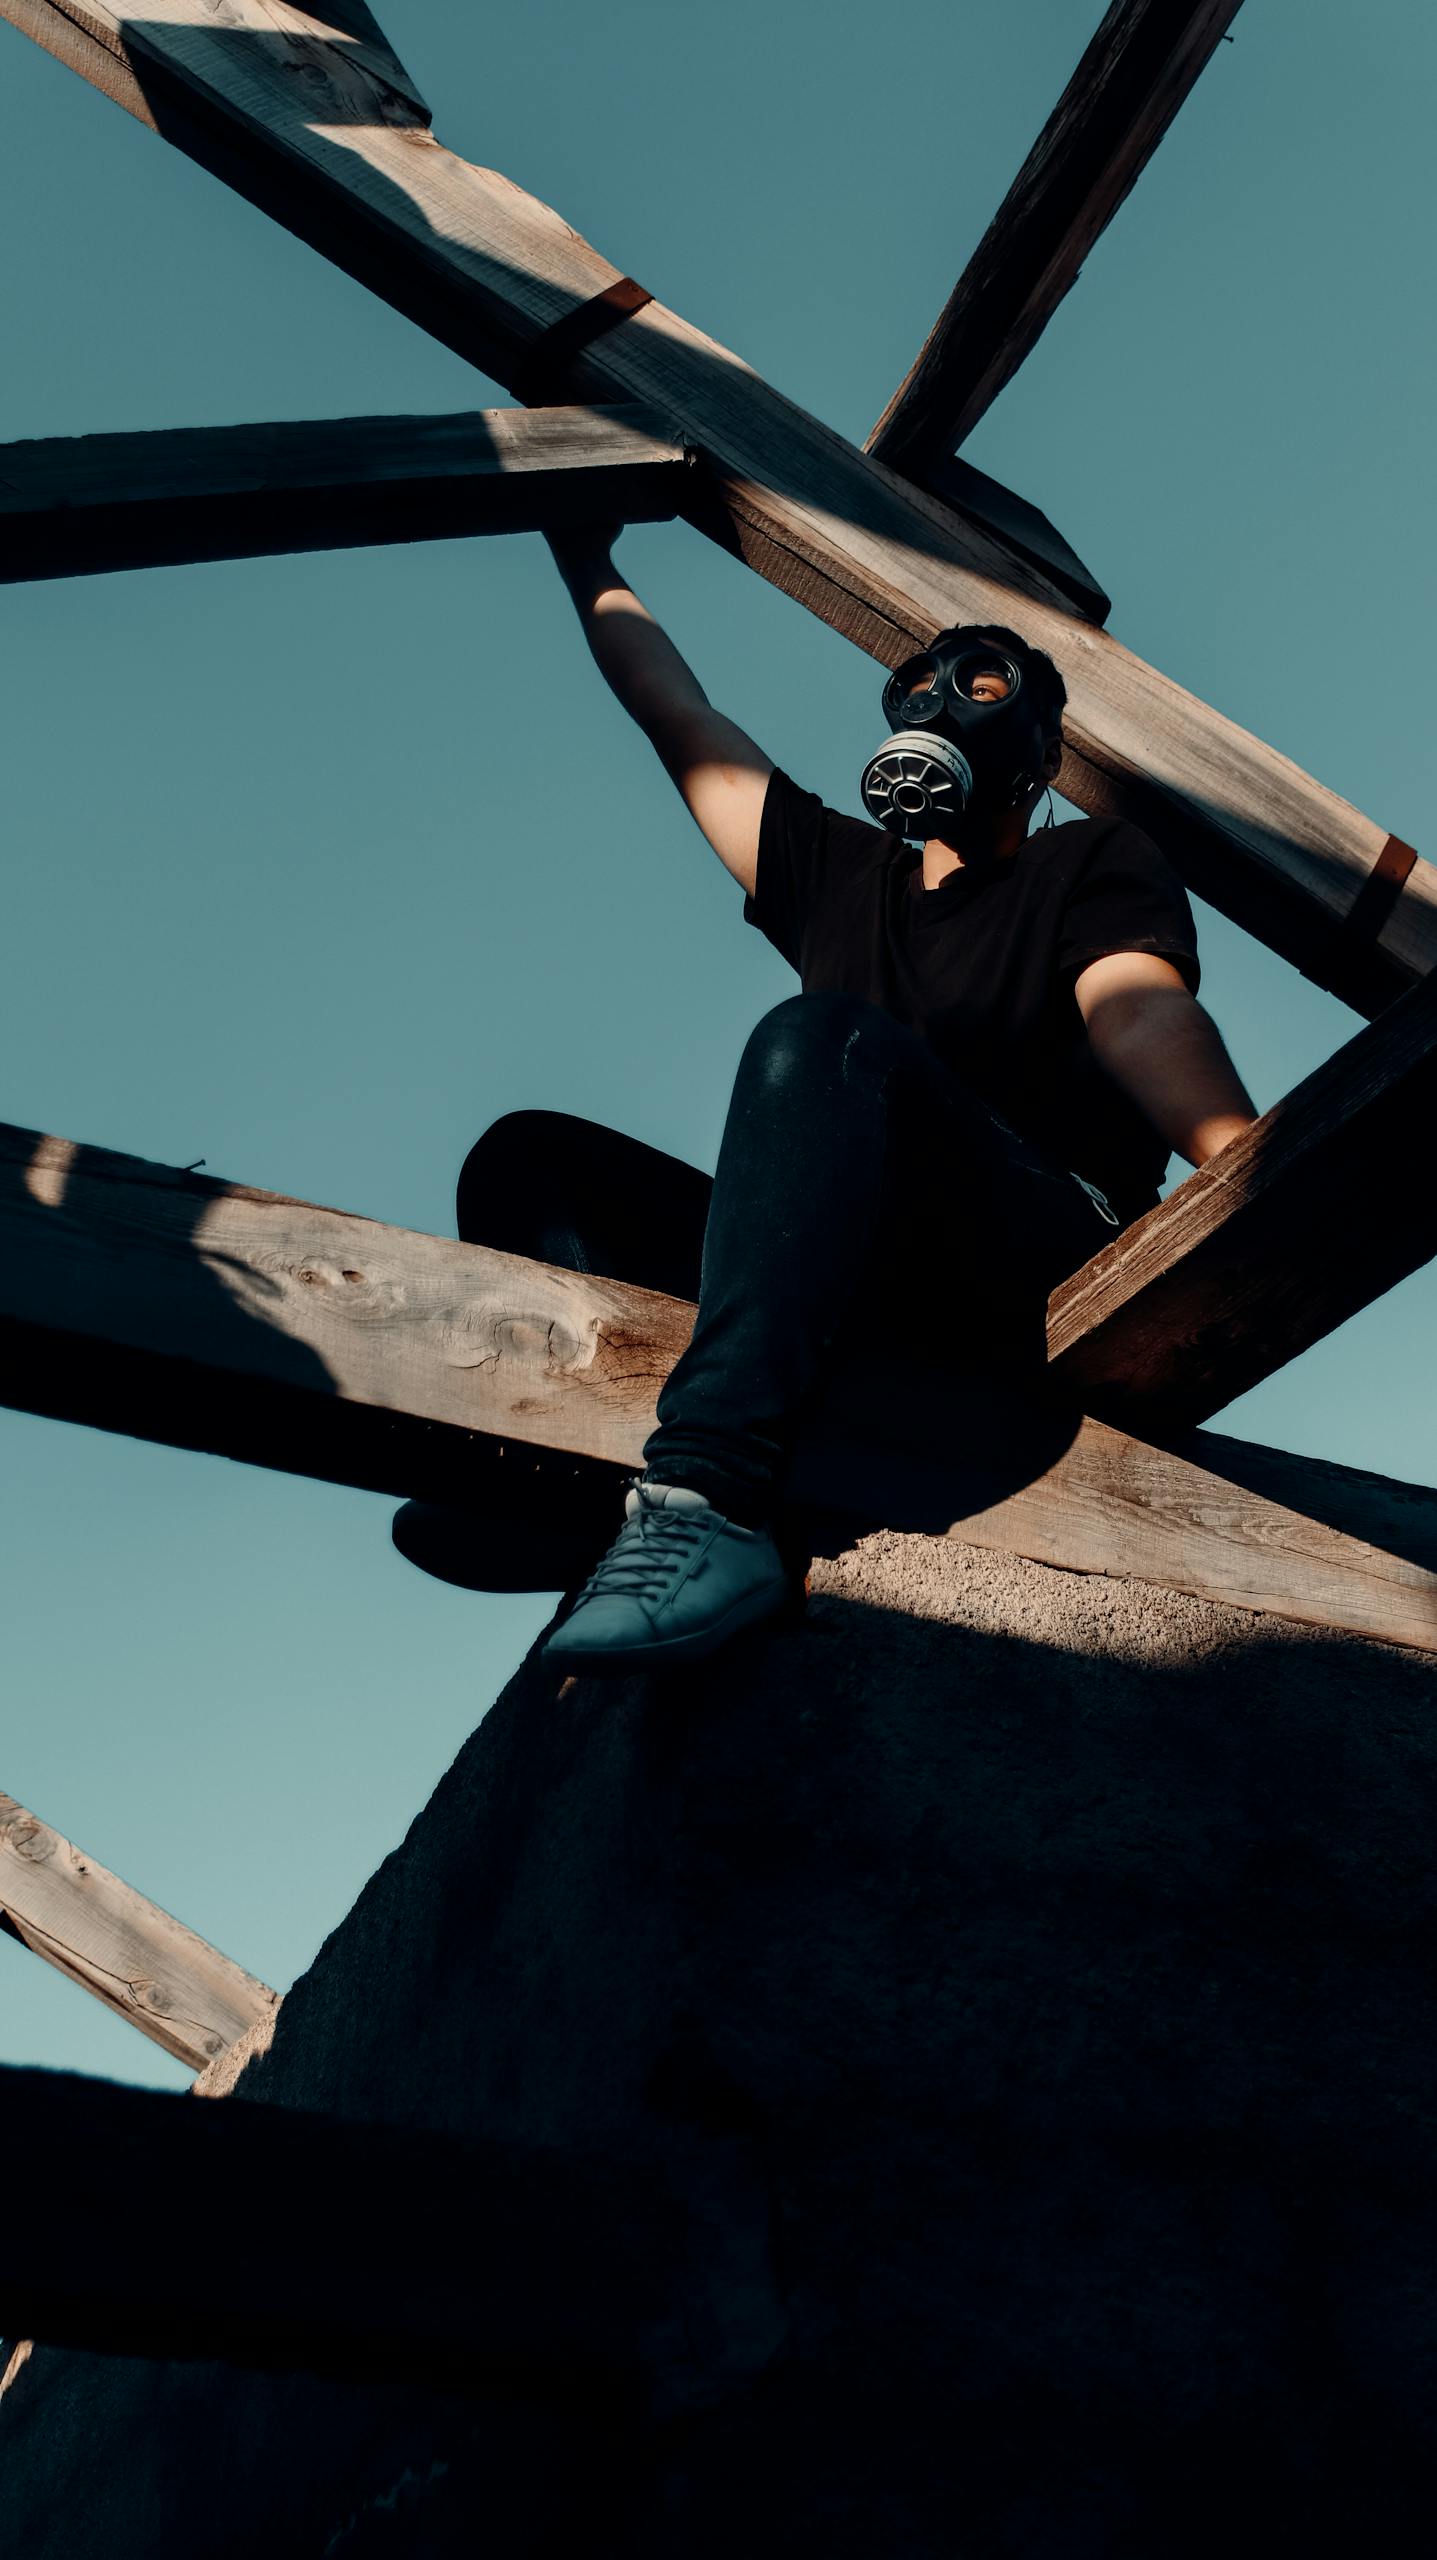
{"points": [[1035, 664]]}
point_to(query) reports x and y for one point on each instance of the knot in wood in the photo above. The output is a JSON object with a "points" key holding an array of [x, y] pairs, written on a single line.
{"points": [[30, 1839], [499, 1337]]}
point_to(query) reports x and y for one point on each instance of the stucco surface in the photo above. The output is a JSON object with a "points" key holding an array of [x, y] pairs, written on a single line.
{"points": [[1058, 1957]]}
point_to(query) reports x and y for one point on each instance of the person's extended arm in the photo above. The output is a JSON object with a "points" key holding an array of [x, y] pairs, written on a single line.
{"points": [[1155, 1041], [720, 773]]}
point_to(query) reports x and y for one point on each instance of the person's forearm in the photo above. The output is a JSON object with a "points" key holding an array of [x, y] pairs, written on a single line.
{"points": [[1168, 1057], [635, 656]]}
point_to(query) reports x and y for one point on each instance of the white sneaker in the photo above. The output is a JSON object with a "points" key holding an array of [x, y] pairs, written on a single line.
{"points": [[677, 1582]]}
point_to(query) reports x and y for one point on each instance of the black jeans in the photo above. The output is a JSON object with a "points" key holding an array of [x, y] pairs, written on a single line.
{"points": [[859, 1182]]}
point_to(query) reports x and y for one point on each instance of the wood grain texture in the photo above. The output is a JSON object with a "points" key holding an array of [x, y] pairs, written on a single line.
{"points": [[178, 1308], [98, 1931], [91, 41], [87, 41], [220, 1315], [355, 23], [1124, 94], [1313, 1212], [71, 505], [1201, 1516], [297, 126]]}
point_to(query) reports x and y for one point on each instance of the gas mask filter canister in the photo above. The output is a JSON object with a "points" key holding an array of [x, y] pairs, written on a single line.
{"points": [[967, 735]]}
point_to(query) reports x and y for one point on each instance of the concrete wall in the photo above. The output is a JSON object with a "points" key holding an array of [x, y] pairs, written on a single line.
{"points": [[1057, 1956]]}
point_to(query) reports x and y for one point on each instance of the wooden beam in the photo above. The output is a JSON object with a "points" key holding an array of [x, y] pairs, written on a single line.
{"points": [[1316, 1210], [997, 1460], [178, 1308], [1129, 85], [1228, 1521], [184, 1309], [148, 1968], [338, 158], [390, 2253], [1023, 528], [357, 26], [85, 40], [70, 505]]}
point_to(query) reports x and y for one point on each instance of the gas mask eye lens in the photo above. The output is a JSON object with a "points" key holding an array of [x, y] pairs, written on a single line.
{"points": [[918, 697], [984, 680]]}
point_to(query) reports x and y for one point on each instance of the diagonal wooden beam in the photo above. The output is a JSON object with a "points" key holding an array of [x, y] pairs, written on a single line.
{"points": [[178, 1308], [1227, 1520], [98, 1931], [356, 25], [1316, 1210], [86, 40], [290, 118], [70, 505], [391, 2252], [1025, 530], [1125, 92]]}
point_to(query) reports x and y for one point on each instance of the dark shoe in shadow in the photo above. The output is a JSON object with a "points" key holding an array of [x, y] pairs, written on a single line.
{"points": [[480, 1552]]}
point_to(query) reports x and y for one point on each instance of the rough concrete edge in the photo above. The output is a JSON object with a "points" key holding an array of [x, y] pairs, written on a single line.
{"points": [[940, 1577], [943, 1578], [218, 2078]]}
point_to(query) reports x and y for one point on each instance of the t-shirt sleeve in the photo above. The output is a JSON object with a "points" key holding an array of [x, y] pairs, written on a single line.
{"points": [[793, 845], [1127, 897]]}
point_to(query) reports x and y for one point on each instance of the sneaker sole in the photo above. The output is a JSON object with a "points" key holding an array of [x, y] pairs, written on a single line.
{"points": [[668, 1649]]}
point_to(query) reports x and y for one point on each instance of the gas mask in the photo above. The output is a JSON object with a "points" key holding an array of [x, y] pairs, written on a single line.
{"points": [[970, 737]]}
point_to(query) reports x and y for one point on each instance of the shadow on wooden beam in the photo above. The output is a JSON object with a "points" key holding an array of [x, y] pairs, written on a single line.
{"points": [[379, 2253], [71, 506], [342, 161], [183, 1309], [1315, 1211]]}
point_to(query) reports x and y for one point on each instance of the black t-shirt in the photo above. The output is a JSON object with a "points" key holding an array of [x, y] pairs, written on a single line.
{"points": [[982, 967]]}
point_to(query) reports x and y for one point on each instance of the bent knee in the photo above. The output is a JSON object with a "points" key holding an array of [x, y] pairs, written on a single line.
{"points": [[521, 1161], [812, 1033]]}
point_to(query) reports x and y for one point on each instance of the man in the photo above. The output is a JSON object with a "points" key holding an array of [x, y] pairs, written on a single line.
{"points": [[996, 1047]]}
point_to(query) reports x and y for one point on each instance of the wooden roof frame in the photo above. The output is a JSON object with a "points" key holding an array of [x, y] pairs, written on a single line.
{"points": [[1125, 92], [303, 120], [311, 116], [115, 1943]]}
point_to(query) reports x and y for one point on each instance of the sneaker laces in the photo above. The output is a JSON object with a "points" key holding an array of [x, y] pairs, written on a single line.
{"points": [[650, 1546]]}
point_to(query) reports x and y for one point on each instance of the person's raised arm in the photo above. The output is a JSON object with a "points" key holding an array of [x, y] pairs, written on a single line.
{"points": [[1155, 1041], [720, 773]]}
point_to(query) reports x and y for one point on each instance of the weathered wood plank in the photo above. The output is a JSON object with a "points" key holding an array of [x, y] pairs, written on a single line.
{"points": [[1125, 92], [389, 2252], [89, 45], [1024, 529], [1191, 1517], [356, 24], [467, 255], [102, 1934], [1313, 1212], [86, 40], [71, 505], [178, 1308], [239, 1320]]}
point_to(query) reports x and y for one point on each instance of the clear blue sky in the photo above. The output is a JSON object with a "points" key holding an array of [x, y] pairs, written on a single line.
{"points": [[298, 882]]}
